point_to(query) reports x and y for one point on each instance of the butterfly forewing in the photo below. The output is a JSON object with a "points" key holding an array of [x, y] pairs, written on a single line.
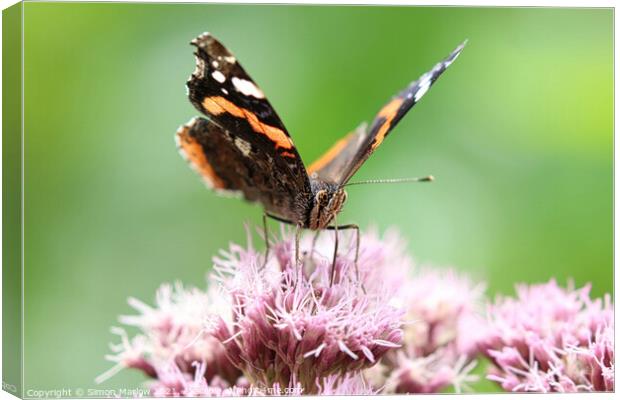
{"points": [[339, 163], [243, 145]]}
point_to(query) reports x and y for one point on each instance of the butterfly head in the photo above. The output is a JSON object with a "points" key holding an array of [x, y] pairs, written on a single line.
{"points": [[327, 203]]}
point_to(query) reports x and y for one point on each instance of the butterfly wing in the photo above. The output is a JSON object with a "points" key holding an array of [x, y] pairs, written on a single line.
{"points": [[341, 161], [243, 145]]}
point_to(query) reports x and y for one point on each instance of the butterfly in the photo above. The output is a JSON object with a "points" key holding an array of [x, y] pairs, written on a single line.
{"points": [[242, 147]]}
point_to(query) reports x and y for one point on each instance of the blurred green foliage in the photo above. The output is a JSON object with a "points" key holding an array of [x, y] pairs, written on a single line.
{"points": [[518, 134]]}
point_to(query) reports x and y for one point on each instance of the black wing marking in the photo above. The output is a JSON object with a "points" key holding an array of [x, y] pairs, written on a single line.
{"points": [[339, 163]]}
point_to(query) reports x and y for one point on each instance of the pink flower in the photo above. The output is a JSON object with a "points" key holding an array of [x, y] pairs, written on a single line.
{"points": [[551, 339], [442, 313], [290, 327], [173, 337]]}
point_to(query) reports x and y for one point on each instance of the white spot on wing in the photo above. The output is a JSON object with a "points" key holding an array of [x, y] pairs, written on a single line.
{"points": [[177, 142], [455, 54], [200, 68], [248, 88], [425, 84], [218, 76], [243, 146], [224, 91]]}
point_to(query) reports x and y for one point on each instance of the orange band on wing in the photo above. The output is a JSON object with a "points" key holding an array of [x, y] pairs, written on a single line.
{"points": [[330, 154], [388, 112], [218, 105], [194, 154], [287, 154]]}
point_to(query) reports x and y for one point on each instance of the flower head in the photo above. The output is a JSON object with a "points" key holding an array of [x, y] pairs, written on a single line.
{"points": [[551, 339], [289, 325], [439, 345], [172, 338]]}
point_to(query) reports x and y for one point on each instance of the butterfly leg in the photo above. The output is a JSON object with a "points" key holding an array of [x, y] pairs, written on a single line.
{"points": [[357, 248], [266, 236], [298, 229], [314, 239], [333, 274], [276, 218], [297, 239]]}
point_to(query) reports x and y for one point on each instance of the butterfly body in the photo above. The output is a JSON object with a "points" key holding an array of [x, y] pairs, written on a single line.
{"points": [[327, 203], [243, 147]]}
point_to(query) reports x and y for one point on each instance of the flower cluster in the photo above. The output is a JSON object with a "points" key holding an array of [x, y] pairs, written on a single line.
{"points": [[298, 323], [275, 327], [551, 339]]}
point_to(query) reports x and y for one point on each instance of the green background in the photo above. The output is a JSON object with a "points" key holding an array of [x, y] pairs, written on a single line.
{"points": [[518, 134]]}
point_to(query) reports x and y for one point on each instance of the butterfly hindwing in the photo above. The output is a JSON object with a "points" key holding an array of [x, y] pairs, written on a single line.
{"points": [[229, 163], [244, 141], [339, 158], [340, 162]]}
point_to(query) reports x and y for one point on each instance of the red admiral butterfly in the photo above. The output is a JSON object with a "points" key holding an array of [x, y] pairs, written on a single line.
{"points": [[243, 147]]}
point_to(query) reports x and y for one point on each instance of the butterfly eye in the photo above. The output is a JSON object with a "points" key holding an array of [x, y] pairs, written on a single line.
{"points": [[321, 197]]}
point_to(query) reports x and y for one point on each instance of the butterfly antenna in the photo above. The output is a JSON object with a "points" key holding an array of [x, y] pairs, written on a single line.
{"points": [[429, 178]]}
